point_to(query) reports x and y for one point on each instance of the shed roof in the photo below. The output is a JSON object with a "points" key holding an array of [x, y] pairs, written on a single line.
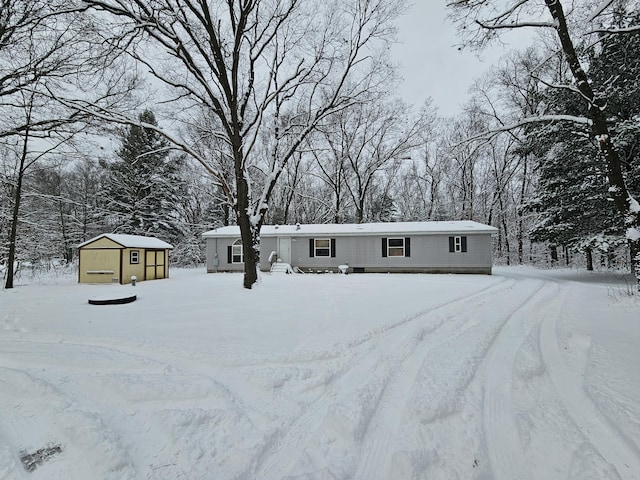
{"points": [[131, 241], [348, 229]]}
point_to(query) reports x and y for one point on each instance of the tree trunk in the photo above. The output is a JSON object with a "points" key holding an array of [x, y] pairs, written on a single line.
{"points": [[554, 253], [68, 250], [499, 246], [432, 198], [360, 211], [14, 231], [507, 247], [250, 249], [13, 234], [505, 228], [520, 241], [520, 212], [249, 233], [225, 214], [589, 254], [634, 248]]}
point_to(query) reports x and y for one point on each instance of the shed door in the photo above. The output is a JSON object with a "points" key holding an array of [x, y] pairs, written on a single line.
{"points": [[154, 264], [284, 250]]}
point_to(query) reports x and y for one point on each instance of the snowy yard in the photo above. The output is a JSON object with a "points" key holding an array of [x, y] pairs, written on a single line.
{"points": [[526, 374]]}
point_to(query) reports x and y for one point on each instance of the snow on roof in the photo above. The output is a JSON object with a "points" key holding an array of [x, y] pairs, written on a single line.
{"points": [[454, 227], [131, 241]]}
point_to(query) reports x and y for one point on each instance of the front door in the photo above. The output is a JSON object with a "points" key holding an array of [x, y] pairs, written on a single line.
{"points": [[284, 250]]}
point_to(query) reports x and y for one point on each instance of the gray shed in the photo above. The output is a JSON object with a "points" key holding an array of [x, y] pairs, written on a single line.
{"points": [[403, 247]]}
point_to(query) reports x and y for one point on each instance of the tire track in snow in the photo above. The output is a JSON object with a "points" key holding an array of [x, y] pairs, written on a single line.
{"points": [[612, 444], [287, 445], [504, 445], [290, 442], [387, 423], [312, 357], [480, 294], [384, 426]]}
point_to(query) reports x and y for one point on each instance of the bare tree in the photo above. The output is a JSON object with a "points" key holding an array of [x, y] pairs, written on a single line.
{"points": [[491, 17], [512, 91], [265, 69], [25, 155], [21, 165], [330, 149], [518, 83], [288, 194], [429, 175], [83, 183], [363, 142], [464, 171]]}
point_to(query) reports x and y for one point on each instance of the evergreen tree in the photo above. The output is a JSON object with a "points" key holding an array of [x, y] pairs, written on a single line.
{"points": [[572, 191], [143, 184], [616, 65], [572, 197]]}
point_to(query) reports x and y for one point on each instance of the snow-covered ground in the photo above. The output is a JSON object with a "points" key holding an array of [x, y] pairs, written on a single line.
{"points": [[526, 374]]}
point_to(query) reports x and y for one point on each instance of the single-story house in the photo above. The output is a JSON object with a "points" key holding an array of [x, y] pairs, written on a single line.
{"points": [[405, 247], [115, 258]]}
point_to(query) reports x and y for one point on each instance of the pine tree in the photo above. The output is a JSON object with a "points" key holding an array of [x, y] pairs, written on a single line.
{"points": [[143, 184], [572, 194], [572, 197], [616, 65]]}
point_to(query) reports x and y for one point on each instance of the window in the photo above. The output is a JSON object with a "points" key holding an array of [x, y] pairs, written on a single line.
{"points": [[234, 252], [396, 247], [322, 247], [134, 257], [457, 244]]}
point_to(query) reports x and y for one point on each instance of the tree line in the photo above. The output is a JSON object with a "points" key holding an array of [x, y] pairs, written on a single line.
{"points": [[172, 117]]}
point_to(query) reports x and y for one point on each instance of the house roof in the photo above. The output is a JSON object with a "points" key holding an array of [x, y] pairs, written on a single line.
{"points": [[130, 241], [348, 229]]}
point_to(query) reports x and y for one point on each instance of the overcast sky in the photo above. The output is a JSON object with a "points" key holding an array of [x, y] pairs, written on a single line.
{"points": [[430, 63]]}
